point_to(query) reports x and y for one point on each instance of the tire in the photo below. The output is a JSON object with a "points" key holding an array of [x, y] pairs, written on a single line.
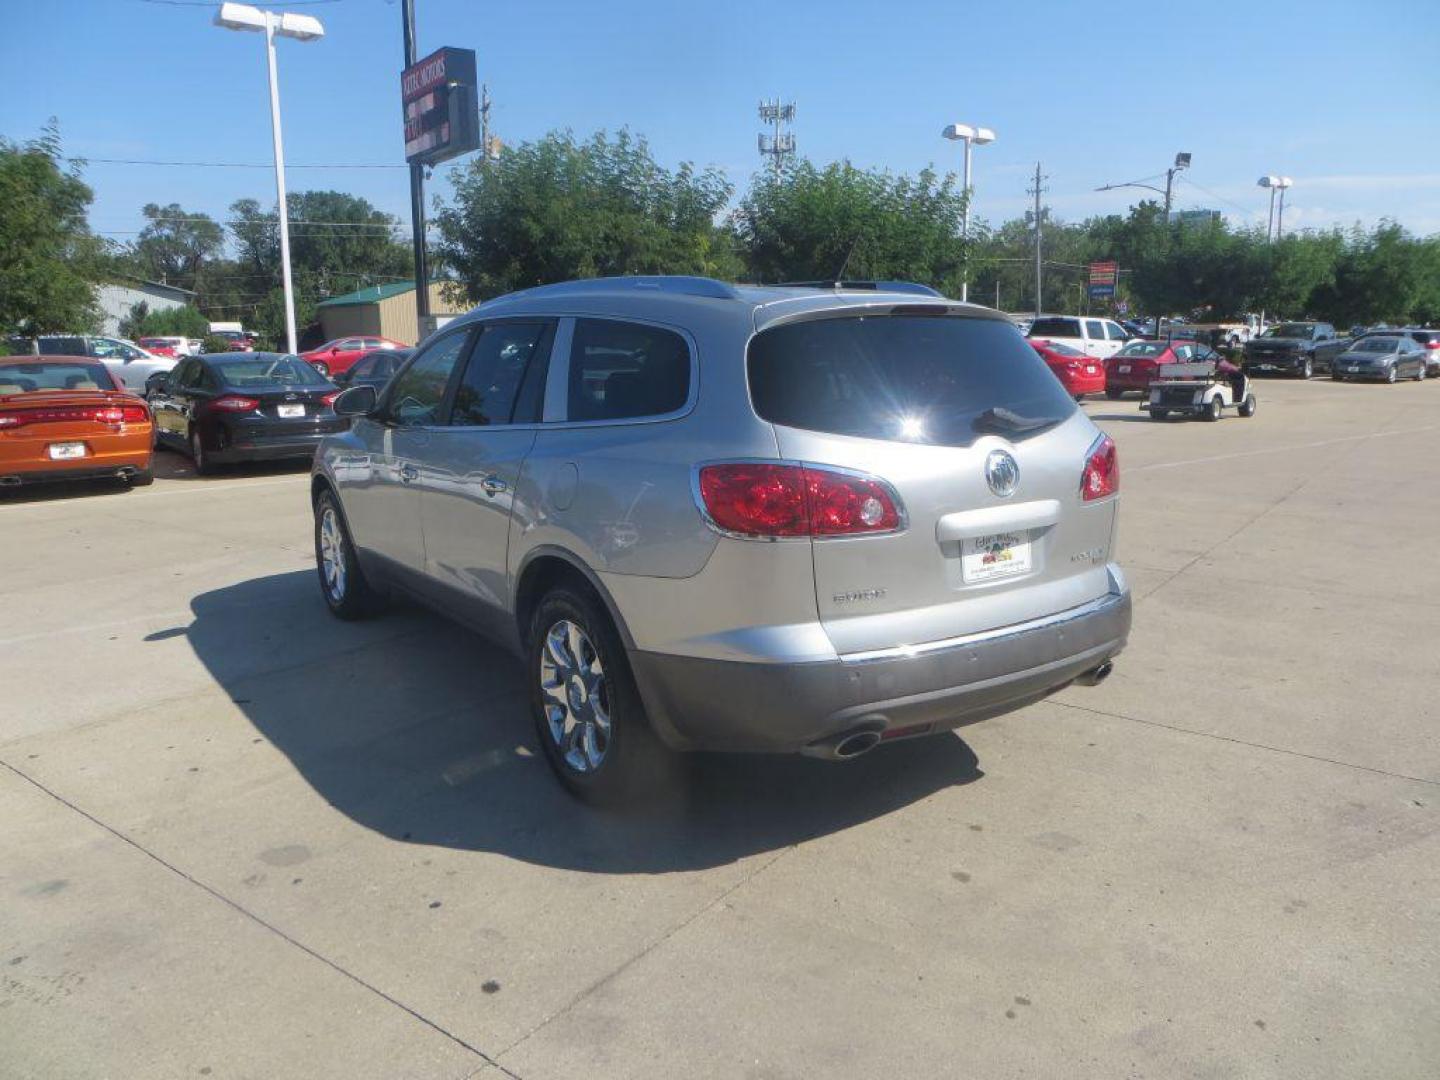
{"points": [[588, 715], [1113, 394], [1247, 407], [322, 367], [1309, 369], [1390, 375], [198, 456], [347, 593], [1159, 414], [1420, 375], [1214, 409], [143, 478]]}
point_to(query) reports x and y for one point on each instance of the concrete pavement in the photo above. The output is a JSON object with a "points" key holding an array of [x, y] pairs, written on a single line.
{"points": [[243, 839]]}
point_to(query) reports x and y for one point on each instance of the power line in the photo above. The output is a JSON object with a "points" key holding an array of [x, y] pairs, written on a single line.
{"points": [[211, 4], [229, 164]]}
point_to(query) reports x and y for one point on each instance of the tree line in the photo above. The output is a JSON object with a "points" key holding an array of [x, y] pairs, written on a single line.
{"points": [[560, 207]]}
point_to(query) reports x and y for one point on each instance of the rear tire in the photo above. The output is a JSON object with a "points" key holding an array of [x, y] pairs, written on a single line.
{"points": [[322, 367], [347, 593], [1159, 414], [1112, 393], [1390, 375], [1247, 407], [143, 478], [1309, 368], [198, 457], [1420, 375], [588, 716]]}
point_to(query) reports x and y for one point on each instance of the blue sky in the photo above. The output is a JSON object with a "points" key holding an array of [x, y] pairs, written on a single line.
{"points": [[1343, 97]]}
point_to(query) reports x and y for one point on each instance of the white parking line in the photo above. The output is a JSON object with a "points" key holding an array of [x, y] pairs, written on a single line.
{"points": [[211, 488], [1282, 449], [41, 635]]}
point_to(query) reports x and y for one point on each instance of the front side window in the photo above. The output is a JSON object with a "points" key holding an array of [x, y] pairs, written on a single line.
{"points": [[1117, 333], [942, 380], [418, 392], [491, 383], [624, 370]]}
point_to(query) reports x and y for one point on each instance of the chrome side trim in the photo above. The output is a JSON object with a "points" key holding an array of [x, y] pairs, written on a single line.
{"points": [[1098, 606]]}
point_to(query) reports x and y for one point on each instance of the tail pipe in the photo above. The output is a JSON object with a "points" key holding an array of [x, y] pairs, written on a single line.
{"points": [[1096, 675], [845, 745]]}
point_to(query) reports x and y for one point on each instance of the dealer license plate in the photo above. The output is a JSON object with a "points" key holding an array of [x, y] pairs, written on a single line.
{"points": [[1090, 369], [62, 451], [290, 410], [1001, 555], [1353, 370], [1124, 369]]}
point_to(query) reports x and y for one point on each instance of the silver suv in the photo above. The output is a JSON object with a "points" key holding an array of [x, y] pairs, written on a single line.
{"points": [[726, 517]]}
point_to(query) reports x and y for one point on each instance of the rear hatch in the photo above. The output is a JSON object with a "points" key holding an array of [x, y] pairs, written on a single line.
{"points": [[930, 400]]}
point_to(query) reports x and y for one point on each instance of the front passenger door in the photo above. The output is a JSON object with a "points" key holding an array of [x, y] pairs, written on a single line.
{"points": [[383, 506]]}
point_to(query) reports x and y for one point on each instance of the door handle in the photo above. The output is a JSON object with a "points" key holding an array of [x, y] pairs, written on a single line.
{"points": [[408, 473], [493, 485]]}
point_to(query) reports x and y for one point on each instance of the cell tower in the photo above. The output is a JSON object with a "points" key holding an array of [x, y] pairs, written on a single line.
{"points": [[780, 144]]}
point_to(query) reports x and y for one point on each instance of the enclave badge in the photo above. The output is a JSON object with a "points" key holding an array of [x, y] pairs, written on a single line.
{"points": [[1002, 473]]}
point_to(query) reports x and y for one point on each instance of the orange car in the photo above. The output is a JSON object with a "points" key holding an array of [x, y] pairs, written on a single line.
{"points": [[64, 418]]}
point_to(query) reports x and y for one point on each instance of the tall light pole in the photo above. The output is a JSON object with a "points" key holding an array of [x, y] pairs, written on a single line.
{"points": [[1284, 184], [301, 28], [976, 136], [1182, 162], [1273, 183]]}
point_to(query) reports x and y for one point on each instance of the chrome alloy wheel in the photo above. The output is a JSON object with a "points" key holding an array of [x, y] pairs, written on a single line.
{"points": [[576, 696], [332, 554]]}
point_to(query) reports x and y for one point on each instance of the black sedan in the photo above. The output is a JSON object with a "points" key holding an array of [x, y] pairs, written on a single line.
{"points": [[373, 369], [226, 407]]}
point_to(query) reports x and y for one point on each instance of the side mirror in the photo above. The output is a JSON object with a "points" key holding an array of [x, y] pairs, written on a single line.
{"points": [[334, 348], [356, 401]]}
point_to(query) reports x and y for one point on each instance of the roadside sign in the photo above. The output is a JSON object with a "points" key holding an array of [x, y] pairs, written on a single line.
{"points": [[440, 106], [1103, 276]]}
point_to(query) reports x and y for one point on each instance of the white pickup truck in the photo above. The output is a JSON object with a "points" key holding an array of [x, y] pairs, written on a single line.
{"points": [[1233, 333], [1100, 338]]}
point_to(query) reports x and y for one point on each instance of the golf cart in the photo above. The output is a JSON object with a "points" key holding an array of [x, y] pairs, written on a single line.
{"points": [[1198, 389]]}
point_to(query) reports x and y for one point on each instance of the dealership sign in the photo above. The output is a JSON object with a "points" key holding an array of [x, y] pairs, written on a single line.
{"points": [[441, 110], [1103, 276]]}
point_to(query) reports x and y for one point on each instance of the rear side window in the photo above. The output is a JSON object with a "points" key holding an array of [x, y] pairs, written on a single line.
{"points": [[1055, 328], [623, 370], [902, 378]]}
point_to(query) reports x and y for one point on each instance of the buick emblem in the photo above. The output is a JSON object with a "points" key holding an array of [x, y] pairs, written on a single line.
{"points": [[1002, 473]]}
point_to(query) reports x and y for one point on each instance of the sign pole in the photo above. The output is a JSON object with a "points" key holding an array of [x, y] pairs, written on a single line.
{"points": [[417, 192]]}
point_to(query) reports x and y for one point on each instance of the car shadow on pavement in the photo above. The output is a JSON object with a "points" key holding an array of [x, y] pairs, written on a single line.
{"points": [[420, 730]]}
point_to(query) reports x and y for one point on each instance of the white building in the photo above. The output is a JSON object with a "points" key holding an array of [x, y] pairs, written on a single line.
{"points": [[115, 300]]}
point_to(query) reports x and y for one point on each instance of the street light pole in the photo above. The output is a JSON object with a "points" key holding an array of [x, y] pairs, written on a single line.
{"points": [[1283, 185], [978, 136], [301, 28], [281, 201], [1182, 162]]}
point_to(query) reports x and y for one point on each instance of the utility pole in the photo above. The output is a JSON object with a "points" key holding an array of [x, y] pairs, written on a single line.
{"points": [[485, 155], [1037, 190], [782, 143], [417, 190]]}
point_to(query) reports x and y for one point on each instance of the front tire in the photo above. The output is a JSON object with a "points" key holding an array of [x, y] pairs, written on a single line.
{"points": [[1247, 407], [1309, 369], [1159, 414], [1214, 409], [347, 593], [1420, 375], [588, 715], [1390, 374]]}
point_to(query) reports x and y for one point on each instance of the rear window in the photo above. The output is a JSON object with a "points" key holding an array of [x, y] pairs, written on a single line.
{"points": [[261, 370], [27, 378], [1377, 344], [1143, 348], [905, 378], [1055, 328]]}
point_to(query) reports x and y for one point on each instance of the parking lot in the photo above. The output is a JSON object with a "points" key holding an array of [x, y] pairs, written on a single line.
{"points": [[245, 839]]}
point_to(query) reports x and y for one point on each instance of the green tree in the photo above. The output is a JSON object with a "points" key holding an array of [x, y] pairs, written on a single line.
{"points": [[175, 244], [805, 222], [142, 321], [557, 209], [50, 262]]}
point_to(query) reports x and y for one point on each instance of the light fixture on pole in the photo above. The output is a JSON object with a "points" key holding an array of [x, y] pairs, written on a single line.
{"points": [[970, 136], [1182, 162], [1273, 183], [301, 28]]}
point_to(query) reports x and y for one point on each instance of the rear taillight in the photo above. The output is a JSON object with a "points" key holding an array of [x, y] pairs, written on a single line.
{"points": [[329, 399], [1102, 470], [235, 403], [100, 414], [762, 499]]}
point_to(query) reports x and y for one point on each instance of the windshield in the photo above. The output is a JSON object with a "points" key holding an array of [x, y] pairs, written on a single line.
{"points": [[926, 379], [1291, 330], [1376, 345], [28, 378], [250, 369]]}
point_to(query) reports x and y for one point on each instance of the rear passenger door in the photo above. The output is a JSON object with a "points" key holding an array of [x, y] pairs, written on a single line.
{"points": [[473, 464]]}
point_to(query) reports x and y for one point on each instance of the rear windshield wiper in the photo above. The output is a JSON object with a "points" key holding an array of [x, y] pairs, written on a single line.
{"points": [[1001, 419]]}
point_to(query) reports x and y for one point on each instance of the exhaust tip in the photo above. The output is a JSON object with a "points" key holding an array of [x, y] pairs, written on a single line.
{"points": [[1095, 676], [857, 744], [9, 481]]}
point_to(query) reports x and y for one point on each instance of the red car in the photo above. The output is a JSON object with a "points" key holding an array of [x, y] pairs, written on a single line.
{"points": [[1078, 373], [1135, 366], [340, 355], [158, 346]]}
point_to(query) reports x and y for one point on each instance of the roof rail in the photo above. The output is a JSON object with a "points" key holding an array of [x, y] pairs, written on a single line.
{"points": [[873, 286], [678, 284]]}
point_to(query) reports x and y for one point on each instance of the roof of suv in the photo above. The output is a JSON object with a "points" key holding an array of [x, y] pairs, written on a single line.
{"points": [[762, 305]]}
